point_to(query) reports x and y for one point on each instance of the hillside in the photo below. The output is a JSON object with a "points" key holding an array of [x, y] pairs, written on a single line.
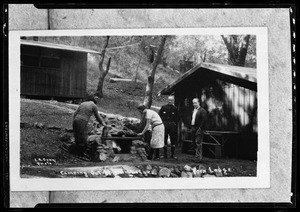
{"points": [[163, 76], [123, 97]]}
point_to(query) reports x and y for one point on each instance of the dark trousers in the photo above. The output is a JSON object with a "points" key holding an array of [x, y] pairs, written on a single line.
{"points": [[197, 135], [152, 150], [81, 135], [170, 130]]}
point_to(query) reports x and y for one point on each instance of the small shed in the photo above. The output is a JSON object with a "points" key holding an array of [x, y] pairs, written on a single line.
{"points": [[51, 70], [229, 94]]}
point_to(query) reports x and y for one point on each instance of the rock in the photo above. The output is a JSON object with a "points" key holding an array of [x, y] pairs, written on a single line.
{"points": [[186, 174], [106, 172], [177, 171], [210, 171], [102, 156], [133, 150], [140, 167], [198, 173], [194, 170], [132, 158], [219, 173], [224, 171], [51, 127], [142, 153], [38, 125], [187, 168], [131, 170], [164, 172], [148, 167], [93, 138], [208, 175], [69, 130], [154, 172], [25, 125], [101, 150], [183, 174], [145, 173], [173, 175], [189, 174], [139, 144], [65, 137], [201, 167]]}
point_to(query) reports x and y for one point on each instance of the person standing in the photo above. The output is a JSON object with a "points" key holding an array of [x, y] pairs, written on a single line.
{"points": [[81, 118], [170, 118], [198, 127], [158, 130]]}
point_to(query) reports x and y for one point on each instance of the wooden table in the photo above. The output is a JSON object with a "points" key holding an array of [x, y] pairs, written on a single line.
{"points": [[219, 139], [217, 143]]}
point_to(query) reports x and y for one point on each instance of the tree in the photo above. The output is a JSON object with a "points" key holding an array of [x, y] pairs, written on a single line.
{"points": [[195, 49], [150, 82], [103, 72], [237, 47]]}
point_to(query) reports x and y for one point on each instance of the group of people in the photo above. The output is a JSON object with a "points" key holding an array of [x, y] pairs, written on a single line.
{"points": [[163, 125]]}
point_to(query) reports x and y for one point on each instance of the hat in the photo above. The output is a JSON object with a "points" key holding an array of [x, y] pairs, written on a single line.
{"points": [[141, 107], [92, 97]]}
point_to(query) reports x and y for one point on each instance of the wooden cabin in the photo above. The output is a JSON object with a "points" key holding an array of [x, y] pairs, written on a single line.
{"points": [[229, 94], [51, 70]]}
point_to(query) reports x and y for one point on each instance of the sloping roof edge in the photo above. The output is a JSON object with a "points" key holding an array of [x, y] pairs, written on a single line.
{"points": [[185, 75], [243, 73], [57, 46]]}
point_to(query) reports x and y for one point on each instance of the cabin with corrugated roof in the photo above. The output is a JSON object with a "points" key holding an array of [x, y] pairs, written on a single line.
{"points": [[229, 94], [50, 70]]}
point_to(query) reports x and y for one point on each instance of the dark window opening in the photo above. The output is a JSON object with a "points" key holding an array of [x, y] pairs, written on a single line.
{"points": [[28, 60], [50, 62]]}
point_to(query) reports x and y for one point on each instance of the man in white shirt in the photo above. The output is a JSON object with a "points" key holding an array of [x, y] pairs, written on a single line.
{"points": [[198, 123], [158, 131]]}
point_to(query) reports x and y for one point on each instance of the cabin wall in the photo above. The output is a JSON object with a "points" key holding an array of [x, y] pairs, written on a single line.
{"points": [[73, 74], [49, 72]]}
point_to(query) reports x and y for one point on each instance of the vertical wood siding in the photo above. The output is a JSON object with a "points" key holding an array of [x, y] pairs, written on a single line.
{"points": [[231, 107], [67, 79]]}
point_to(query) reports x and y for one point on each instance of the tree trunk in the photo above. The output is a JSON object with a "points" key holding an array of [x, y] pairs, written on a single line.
{"points": [[149, 90], [137, 68], [150, 82], [243, 51], [99, 91], [103, 72], [237, 50]]}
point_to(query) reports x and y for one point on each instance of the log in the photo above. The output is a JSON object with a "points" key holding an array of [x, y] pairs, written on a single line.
{"points": [[120, 80]]}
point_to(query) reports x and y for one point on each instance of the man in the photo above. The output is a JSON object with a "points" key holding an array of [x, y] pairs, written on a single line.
{"points": [[158, 130], [198, 125], [170, 118], [80, 121]]}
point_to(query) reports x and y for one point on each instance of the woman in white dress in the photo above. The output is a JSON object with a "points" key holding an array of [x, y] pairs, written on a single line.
{"points": [[158, 130]]}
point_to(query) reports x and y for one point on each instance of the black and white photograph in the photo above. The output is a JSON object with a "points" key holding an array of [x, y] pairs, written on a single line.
{"points": [[145, 109]]}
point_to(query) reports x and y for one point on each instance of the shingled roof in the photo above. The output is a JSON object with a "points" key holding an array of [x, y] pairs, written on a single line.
{"points": [[242, 76], [57, 46]]}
